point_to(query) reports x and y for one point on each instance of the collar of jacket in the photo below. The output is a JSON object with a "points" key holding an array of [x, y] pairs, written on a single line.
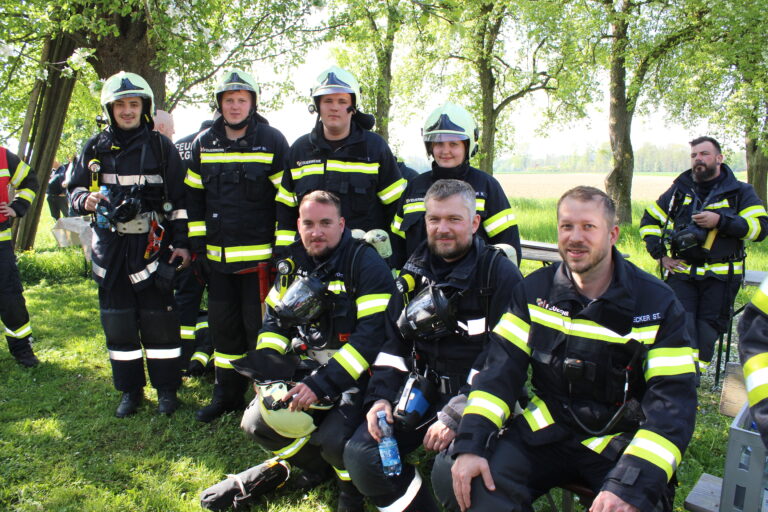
{"points": [[111, 137], [316, 138], [246, 141], [614, 309], [729, 183], [457, 173], [460, 277]]}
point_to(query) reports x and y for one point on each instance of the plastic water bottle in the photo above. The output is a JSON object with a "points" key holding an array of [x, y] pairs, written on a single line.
{"points": [[101, 220], [390, 455]]}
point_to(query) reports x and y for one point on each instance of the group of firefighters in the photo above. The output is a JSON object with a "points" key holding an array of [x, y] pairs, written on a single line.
{"points": [[401, 298]]}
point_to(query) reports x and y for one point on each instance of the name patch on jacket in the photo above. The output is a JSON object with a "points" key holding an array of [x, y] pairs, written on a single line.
{"points": [[302, 163], [546, 305]]}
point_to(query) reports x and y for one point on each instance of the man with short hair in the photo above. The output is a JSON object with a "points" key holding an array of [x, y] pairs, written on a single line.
{"points": [[340, 155], [439, 328], [235, 170], [133, 176], [697, 230], [612, 374], [13, 309], [327, 305]]}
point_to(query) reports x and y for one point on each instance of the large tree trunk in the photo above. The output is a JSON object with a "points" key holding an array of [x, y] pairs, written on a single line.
{"points": [[130, 51], [384, 80], [50, 109], [618, 184], [757, 167], [488, 132]]}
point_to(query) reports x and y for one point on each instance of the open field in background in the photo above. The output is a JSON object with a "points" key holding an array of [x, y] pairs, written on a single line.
{"points": [[64, 451]]}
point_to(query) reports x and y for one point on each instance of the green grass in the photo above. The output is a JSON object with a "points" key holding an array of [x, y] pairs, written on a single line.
{"points": [[63, 450]]}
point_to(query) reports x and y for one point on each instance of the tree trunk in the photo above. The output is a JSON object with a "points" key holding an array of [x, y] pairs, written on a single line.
{"points": [[757, 167], [384, 81], [50, 109], [618, 184], [488, 133], [130, 51]]}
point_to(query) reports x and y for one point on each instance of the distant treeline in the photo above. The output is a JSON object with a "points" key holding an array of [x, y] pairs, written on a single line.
{"points": [[648, 158]]}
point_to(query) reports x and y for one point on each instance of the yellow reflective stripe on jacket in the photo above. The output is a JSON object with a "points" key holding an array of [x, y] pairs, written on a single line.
{"points": [[756, 378], [499, 222], [284, 237], [214, 252], [537, 414], [193, 179], [274, 296], [201, 325], [655, 449], [752, 215], [515, 330], [662, 362], [480, 204], [488, 406], [225, 158], [760, 298], [285, 197], [650, 231], [397, 222], [4, 173], [21, 172], [5, 235], [22, 331], [598, 444], [337, 287], [351, 360], [723, 203], [721, 269], [272, 340], [657, 213], [416, 206], [343, 474], [361, 167], [276, 178], [248, 253], [393, 192], [26, 193], [187, 332], [306, 170], [197, 228], [589, 329], [201, 357], [292, 449], [223, 360], [371, 304]]}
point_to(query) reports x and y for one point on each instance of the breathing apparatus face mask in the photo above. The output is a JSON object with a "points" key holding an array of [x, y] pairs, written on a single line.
{"points": [[304, 301], [428, 315]]}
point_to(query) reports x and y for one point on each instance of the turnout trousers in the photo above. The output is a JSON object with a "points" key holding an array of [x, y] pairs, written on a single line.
{"points": [[135, 319], [13, 308], [189, 294]]}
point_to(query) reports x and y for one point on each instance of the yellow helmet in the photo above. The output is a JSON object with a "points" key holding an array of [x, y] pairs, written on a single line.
{"points": [[126, 85], [290, 424], [451, 122]]}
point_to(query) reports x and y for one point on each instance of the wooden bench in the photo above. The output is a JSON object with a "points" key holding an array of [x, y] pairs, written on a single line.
{"points": [[540, 251]]}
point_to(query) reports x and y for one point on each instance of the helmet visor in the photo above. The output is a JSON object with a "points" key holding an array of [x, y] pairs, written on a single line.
{"points": [[444, 136], [303, 300]]}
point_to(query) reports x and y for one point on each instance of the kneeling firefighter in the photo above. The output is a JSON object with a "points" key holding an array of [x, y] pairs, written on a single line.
{"points": [[455, 289], [131, 178], [327, 305]]}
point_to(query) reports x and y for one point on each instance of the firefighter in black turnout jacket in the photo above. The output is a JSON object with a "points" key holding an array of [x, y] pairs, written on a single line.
{"points": [[704, 219], [458, 289], [450, 136], [232, 179], [328, 305], [134, 176], [13, 309], [612, 374], [340, 155], [753, 351]]}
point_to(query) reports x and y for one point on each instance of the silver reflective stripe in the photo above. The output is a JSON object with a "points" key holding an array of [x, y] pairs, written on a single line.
{"points": [[321, 356], [99, 271], [79, 189], [471, 375], [125, 355], [163, 353], [178, 214], [384, 359], [143, 275], [131, 179], [402, 503]]}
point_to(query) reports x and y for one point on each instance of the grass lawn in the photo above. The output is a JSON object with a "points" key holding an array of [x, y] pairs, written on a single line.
{"points": [[63, 450]]}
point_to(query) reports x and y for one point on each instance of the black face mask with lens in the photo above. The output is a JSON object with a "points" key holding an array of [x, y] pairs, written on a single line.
{"points": [[428, 315], [304, 301]]}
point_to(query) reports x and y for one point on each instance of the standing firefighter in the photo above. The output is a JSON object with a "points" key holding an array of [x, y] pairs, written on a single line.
{"points": [[232, 179], [753, 351], [340, 155], [13, 309], [133, 176]]}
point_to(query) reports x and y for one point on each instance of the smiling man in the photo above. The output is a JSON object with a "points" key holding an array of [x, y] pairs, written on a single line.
{"points": [[340, 155], [233, 175], [613, 379], [327, 306], [697, 230], [450, 136]]}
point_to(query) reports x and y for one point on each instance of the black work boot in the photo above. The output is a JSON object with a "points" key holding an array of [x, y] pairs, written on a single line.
{"points": [[129, 403], [350, 499], [167, 402], [22, 351], [222, 402], [307, 480]]}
